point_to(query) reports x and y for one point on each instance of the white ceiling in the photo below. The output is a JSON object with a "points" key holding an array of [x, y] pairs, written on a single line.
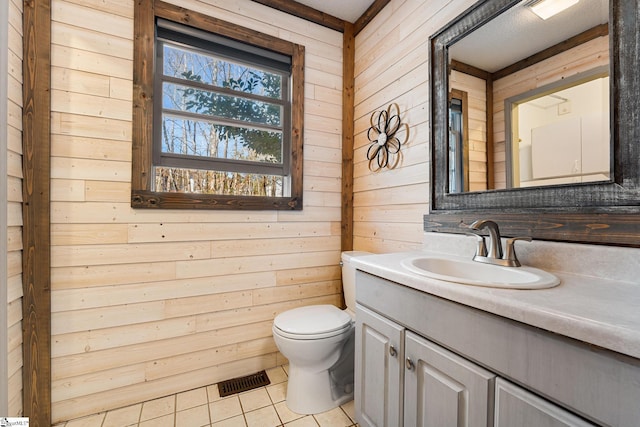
{"points": [[514, 35], [347, 10]]}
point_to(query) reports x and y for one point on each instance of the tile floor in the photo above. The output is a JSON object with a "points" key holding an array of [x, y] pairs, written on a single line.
{"points": [[262, 407]]}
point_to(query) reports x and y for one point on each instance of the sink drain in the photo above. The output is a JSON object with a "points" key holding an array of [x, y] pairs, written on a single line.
{"points": [[240, 384]]}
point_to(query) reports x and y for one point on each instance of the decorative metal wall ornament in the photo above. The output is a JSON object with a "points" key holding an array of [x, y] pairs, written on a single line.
{"points": [[386, 127]]}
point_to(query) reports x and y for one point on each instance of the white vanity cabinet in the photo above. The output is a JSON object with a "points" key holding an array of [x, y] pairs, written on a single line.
{"points": [[422, 360], [379, 351], [403, 379]]}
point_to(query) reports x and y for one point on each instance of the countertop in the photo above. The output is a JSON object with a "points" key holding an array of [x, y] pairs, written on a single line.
{"points": [[602, 312]]}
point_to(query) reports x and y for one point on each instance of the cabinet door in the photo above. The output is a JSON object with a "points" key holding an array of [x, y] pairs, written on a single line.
{"points": [[378, 376], [516, 406], [444, 390]]}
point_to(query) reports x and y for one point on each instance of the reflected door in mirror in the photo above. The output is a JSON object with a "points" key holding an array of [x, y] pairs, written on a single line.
{"points": [[560, 135]]}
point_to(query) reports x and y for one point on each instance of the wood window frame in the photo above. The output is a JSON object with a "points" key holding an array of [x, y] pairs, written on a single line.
{"points": [[142, 196], [463, 97]]}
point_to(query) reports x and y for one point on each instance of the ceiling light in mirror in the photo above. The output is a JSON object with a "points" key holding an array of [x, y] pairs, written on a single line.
{"points": [[545, 9]]}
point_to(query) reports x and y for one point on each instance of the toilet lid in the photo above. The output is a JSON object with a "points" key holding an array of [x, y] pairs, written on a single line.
{"points": [[312, 320]]}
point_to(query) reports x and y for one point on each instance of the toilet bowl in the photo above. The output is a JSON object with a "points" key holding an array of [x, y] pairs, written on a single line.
{"points": [[318, 340]]}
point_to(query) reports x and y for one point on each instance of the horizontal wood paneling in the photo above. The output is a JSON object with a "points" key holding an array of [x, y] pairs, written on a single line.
{"points": [[174, 232], [208, 267], [142, 391], [391, 66], [65, 256], [105, 296], [72, 146], [149, 303], [86, 16], [11, 219]]}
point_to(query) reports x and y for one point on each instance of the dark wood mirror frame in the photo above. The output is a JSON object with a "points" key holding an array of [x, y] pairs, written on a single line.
{"points": [[603, 213]]}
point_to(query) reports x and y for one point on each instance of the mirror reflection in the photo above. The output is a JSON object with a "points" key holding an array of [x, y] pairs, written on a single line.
{"points": [[529, 99]]}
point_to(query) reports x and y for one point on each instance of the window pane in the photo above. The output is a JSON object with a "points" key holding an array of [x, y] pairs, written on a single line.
{"points": [[196, 66], [199, 101], [215, 182], [206, 139]]}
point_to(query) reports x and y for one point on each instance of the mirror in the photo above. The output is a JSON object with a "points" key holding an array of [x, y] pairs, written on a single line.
{"points": [[535, 114], [491, 157]]}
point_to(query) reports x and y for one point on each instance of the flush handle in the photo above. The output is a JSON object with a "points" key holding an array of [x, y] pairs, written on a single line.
{"points": [[409, 364], [392, 351]]}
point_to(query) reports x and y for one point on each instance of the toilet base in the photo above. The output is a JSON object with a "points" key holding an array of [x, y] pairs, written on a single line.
{"points": [[314, 392]]}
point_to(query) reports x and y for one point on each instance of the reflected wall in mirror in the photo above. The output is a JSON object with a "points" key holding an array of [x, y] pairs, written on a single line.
{"points": [[520, 56], [489, 157]]}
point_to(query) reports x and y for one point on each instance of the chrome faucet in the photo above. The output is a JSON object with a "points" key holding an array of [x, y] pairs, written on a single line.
{"points": [[493, 254], [495, 244]]}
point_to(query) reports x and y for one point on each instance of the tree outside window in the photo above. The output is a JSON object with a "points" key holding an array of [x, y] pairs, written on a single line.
{"points": [[226, 121]]}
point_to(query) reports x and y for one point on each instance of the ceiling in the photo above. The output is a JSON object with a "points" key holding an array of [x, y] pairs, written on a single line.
{"points": [[347, 10], [506, 39]]}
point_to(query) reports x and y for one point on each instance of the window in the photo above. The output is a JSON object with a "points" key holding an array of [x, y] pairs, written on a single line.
{"points": [[458, 142], [223, 127]]}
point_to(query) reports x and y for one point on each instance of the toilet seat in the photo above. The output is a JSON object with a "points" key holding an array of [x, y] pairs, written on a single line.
{"points": [[312, 322]]}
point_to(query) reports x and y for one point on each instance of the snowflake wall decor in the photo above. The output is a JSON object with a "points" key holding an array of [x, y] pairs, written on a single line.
{"points": [[386, 127]]}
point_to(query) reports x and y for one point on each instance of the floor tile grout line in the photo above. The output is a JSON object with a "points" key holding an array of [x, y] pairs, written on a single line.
{"points": [[209, 393]]}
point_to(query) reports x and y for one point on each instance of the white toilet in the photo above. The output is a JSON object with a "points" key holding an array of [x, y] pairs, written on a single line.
{"points": [[318, 340]]}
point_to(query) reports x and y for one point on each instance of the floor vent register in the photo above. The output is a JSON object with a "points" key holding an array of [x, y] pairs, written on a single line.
{"points": [[240, 384]]}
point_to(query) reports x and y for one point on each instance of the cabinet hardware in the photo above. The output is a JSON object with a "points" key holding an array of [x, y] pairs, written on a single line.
{"points": [[392, 351], [409, 364]]}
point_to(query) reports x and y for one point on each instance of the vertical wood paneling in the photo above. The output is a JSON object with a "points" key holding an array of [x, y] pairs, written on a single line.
{"points": [[36, 208], [148, 303], [347, 136], [142, 100]]}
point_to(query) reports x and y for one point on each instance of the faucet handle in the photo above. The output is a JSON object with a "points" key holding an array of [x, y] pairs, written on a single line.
{"points": [[481, 246], [510, 251]]}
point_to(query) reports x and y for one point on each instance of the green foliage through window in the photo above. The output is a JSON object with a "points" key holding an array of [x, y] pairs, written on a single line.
{"points": [[223, 126]]}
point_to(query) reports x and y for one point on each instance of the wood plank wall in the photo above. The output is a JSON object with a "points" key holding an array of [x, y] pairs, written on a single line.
{"points": [[149, 303], [14, 209], [144, 303], [391, 66], [587, 56]]}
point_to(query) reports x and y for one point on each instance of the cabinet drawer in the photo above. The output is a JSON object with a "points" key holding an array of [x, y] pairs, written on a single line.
{"points": [[516, 406]]}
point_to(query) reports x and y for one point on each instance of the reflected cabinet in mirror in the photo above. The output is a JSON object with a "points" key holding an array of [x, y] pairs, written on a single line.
{"points": [[535, 120]]}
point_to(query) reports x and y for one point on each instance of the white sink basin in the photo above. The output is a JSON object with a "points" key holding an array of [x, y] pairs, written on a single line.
{"points": [[468, 272]]}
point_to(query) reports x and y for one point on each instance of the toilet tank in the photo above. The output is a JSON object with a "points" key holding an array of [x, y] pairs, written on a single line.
{"points": [[349, 279]]}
